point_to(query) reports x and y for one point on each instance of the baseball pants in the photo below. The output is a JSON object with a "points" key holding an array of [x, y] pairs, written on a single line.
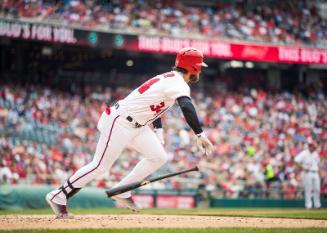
{"points": [[312, 189], [116, 133]]}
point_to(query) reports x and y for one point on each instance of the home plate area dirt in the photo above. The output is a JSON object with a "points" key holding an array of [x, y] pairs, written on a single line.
{"points": [[10, 222]]}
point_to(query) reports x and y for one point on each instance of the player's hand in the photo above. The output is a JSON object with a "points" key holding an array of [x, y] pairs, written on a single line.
{"points": [[204, 143], [160, 135]]}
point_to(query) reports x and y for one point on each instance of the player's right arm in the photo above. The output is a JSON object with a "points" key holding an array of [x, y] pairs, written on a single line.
{"points": [[157, 128], [191, 117], [299, 160]]}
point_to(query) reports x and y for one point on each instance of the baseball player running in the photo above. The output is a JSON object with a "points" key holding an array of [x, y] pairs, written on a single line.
{"points": [[127, 124], [309, 160]]}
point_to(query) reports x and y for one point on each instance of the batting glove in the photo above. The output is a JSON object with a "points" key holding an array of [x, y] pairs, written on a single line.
{"points": [[160, 136], [204, 143]]}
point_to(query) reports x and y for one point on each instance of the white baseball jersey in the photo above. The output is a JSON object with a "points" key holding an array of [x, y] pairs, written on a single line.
{"points": [[311, 180], [144, 104], [151, 99], [308, 160]]}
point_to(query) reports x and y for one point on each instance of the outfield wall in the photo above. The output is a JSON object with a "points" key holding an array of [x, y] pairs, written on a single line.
{"points": [[260, 203], [32, 197]]}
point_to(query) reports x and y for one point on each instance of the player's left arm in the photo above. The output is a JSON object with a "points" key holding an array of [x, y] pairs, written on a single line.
{"points": [[320, 166]]}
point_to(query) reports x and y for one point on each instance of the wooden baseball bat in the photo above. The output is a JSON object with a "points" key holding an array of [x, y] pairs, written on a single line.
{"points": [[128, 187]]}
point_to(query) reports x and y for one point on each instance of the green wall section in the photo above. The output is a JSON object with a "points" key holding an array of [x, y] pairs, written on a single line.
{"points": [[266, 203], [32, 197]]}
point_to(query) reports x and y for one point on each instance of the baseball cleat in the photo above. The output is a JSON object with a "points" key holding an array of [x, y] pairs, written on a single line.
{"points": [[59, 210], [127, 203]]}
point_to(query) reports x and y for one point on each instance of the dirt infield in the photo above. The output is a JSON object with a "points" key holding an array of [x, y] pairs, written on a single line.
{"points": [[10, 222]]}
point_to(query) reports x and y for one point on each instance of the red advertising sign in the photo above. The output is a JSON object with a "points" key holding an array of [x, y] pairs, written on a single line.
{"points": [[237, 51], [174, 201], [145, 201], [40, 32], [164, 201], [14, 29]]}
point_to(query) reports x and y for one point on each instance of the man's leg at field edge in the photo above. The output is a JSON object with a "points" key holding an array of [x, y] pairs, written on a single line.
{"points": [[154, 156], [316, 191], [107, 151], [308, 190]]}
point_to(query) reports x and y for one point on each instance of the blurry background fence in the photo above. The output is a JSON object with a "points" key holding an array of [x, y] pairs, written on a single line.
{"points": [[32, 197]]}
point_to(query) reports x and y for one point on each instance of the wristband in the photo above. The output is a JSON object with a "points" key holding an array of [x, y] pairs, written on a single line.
{"points": [[201, 135]]}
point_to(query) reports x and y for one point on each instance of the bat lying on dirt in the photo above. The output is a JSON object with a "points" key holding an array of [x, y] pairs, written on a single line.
{"points": [[128, 187]]}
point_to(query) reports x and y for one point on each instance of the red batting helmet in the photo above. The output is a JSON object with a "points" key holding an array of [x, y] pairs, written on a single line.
{"points": [[312, 144], [190, 59]]}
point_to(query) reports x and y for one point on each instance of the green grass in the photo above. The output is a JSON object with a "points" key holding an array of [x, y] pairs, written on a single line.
{"points": [[175, 230], [244, 212]]}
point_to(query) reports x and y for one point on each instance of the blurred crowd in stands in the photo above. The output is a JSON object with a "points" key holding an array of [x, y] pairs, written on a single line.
{"points": [[46, 134], [296, 24]]}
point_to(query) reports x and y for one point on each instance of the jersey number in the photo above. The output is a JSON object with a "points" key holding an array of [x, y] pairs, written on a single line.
{"points": [[145, 86], [157, 108]]}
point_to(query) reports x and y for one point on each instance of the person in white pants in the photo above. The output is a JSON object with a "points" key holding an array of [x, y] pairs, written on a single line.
{"points": [[127, 124], [309, 160]]}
